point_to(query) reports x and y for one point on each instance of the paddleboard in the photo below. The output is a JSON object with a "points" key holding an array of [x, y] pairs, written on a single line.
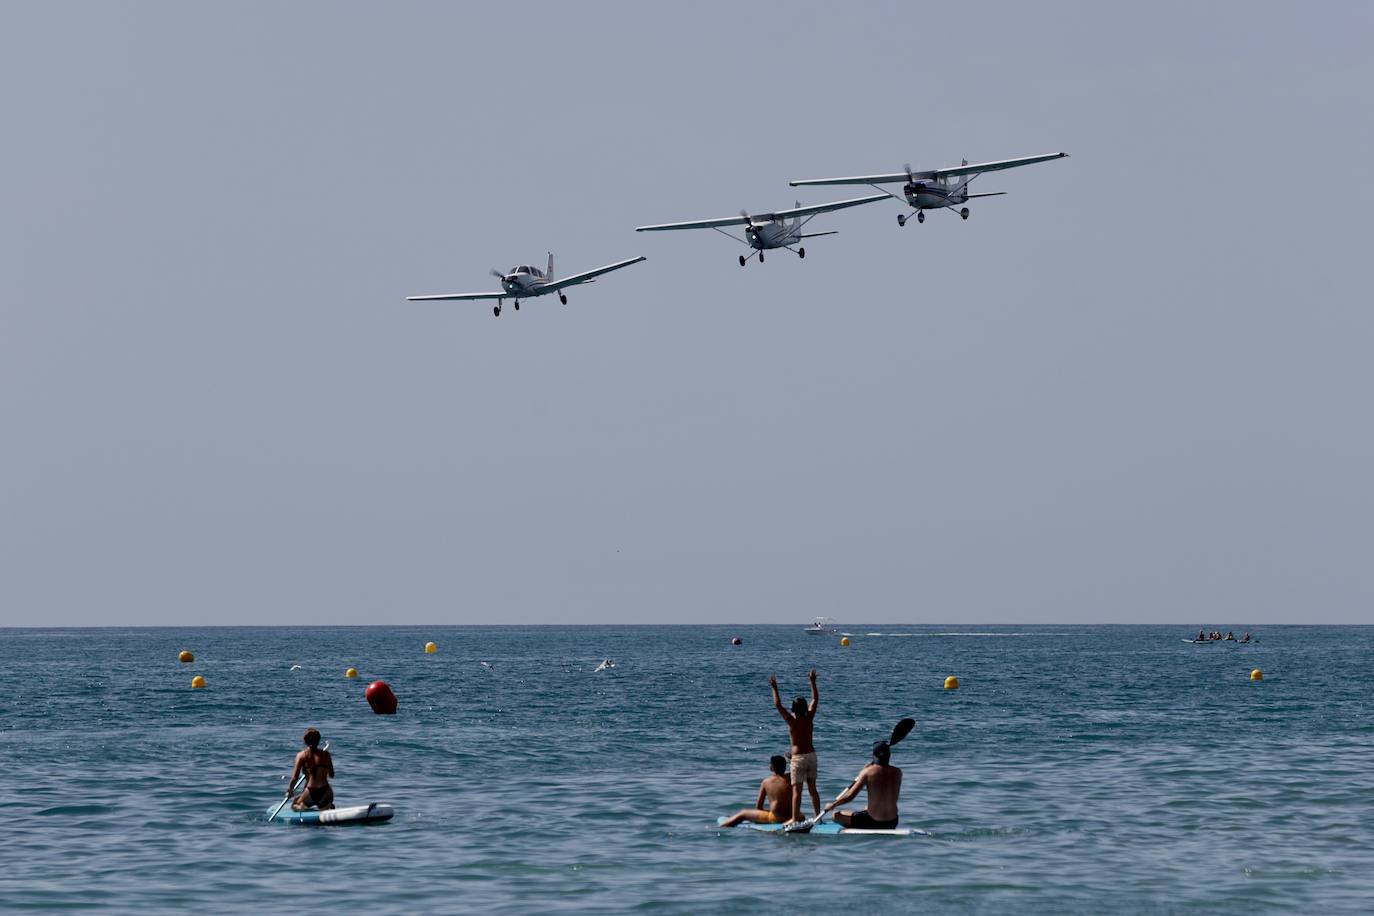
{"points": [[374, 813], [830, 828]]}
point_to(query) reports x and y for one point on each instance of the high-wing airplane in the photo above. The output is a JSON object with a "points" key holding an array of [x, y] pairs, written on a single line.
{"points": [[525, 282], [936, 189], [782, 229]]}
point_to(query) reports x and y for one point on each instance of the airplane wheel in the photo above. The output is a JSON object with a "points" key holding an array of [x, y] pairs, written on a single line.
{"points": [[964, 213], [496, 311], [901, 219], [801, 252], [562, 298], [517, 306], [760, 257], [741, 260], [921, 216]]}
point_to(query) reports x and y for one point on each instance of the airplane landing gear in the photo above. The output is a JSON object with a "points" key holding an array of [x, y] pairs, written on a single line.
{"points": [[517, 305], [964, 213], [496, 311], [901, 219], [801, 252], [920, 216], [742, 260], [760, 256], [562, 298]]}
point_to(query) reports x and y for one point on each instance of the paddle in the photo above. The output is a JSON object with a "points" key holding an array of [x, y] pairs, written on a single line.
{"points": [[899, 731], [291, 791]]}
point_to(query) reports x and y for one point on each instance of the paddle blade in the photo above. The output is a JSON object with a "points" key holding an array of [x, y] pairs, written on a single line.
{"points": [[902, 729]]}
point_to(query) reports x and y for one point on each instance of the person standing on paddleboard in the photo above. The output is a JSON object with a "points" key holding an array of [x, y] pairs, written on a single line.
{"points": [[799, 727], [775, 790], [884, 784], [318, 766]]}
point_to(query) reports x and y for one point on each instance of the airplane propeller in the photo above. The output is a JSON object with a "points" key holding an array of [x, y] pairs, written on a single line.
{"points": [[749, 220], [497, 274]]}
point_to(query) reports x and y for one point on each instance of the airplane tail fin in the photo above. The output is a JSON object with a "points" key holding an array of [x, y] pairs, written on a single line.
{"points": [[549, 275], [963, 182]]}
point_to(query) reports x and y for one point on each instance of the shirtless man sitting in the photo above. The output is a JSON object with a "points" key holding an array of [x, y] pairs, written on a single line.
{"points": [[799, 727], [318, 766], [776, 790], [884, 784]]}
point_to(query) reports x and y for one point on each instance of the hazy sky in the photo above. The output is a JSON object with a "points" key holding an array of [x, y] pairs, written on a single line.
{"points": [[1135, 389]]}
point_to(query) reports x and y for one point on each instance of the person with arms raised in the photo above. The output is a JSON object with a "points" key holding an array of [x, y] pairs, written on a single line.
{"points": [[800, 721]]}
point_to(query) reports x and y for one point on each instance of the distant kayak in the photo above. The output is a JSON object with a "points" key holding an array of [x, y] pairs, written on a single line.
{"points": [[1208, 642], [830, 828], [375, 813]]}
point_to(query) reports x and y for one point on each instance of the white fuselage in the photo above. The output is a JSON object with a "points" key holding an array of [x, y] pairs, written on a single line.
{"points": [[934, 194], [520, 282], [773, 234]]}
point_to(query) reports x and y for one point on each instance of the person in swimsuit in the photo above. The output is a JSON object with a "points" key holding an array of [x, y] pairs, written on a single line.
{"points": [[884, 784], [318, 766], [776, 790], [799, 727]]}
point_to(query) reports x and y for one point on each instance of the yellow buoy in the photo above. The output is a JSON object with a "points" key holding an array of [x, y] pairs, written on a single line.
{"points": [[951, 683], [431, 648], [351, 672], [197, 682], [185, 657], [844, 640], [1257, 675]]}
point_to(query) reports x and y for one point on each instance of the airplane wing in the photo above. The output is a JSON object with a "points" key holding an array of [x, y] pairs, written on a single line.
{"points": [[587, 275], [701, 223], [835, 205], [764, 217], [929, 174], [500, 295], [979, 167]]}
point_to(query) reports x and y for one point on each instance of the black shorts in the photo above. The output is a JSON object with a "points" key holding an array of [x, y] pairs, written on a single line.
{"points": [[863, 821]]}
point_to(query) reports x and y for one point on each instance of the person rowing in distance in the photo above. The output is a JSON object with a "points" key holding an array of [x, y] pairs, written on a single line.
{"points": [[776, 790], [800, 722], [318, 766], [884, 784]]}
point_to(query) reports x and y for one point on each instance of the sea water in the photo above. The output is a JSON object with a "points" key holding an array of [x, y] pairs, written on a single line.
{"points": [[1076, 769]]}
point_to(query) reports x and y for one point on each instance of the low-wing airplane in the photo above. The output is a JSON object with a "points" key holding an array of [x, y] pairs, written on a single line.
{"points": [[525, 282], [782, 229], [935, 189]]}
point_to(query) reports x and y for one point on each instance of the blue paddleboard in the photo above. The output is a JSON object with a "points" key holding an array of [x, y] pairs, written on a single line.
{"points": [[830, 828], [374, 813]]}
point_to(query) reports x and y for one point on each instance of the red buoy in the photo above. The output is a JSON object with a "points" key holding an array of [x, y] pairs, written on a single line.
{"points": [[380, 698]]}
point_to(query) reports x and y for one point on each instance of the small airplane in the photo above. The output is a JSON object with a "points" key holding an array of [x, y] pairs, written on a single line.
{"points": [[525, 282], [782, 229], [935, 189]]}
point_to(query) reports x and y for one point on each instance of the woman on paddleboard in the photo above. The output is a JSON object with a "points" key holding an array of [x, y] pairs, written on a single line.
{"points": [[318, 766]]}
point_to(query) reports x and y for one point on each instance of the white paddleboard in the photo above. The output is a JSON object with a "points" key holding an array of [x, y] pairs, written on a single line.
{"points": [[373, 813]]}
